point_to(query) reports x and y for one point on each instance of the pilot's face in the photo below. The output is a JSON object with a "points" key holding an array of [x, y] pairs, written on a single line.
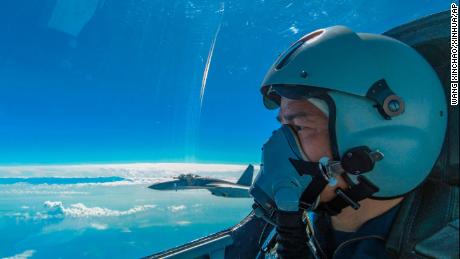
{"points": [[311, 126]]}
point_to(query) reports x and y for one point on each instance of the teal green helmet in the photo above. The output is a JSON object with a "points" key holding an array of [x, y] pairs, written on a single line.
{"points": [[381, 94]]}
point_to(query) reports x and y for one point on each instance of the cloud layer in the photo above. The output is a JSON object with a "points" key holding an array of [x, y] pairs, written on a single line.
{"points": [[136, 173], [56, 209], [23, 255], [177, 208]]}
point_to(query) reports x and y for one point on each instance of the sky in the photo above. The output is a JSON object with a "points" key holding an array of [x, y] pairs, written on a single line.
{"points": [[116, 81]]}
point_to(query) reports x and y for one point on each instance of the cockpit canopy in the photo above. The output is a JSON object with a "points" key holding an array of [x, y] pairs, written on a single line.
{"points": [[187, 177]]}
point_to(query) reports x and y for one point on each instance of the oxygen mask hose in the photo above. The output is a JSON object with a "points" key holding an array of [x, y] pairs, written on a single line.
{"points": [[292, 237], [278, 188]]}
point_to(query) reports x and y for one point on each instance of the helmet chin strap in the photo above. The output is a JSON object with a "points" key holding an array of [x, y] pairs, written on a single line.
{"points": [[357, 161]]}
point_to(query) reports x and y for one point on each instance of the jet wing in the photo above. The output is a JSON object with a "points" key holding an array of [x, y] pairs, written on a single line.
{"points": [[227, 185], [228, 190]]}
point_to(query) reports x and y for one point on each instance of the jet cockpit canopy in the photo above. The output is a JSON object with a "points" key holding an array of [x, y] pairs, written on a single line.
{"points": [[187, 177]]}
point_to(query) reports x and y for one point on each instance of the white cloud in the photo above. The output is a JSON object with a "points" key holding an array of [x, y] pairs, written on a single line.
{"points": [[99, 226], [78, 210], [19, 215], [56, 209], [175, 209], [183, 223], [126, 230], [23, 255], [39, 190]]}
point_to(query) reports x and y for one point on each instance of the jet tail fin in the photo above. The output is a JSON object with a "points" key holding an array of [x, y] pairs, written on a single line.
{"points": [[246, 177]]}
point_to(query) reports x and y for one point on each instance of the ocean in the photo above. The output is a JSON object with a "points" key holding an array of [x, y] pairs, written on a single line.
{"points": [[107, 210]]}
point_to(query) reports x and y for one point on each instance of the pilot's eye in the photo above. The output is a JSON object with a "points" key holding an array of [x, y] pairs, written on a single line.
{"points": [[297, 128]]}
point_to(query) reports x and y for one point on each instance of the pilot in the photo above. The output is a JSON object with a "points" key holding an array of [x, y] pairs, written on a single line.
{"points": [[363, 120]]}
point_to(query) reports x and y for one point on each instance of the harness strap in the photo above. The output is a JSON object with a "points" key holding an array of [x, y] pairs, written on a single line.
{"points": [[316, 186], [345, 198], [350, 197]]}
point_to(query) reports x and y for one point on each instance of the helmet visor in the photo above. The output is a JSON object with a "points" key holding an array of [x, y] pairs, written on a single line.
{"points": [[272, 94]]}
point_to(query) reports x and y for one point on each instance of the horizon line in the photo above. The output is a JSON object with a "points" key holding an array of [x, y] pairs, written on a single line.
{"points": [[128, 163]]}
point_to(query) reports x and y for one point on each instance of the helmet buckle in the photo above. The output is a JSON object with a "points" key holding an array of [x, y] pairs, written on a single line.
{"points": [[360, 160]]}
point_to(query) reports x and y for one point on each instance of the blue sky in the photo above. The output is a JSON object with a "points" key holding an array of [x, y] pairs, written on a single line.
{"points": [[120, 81]]}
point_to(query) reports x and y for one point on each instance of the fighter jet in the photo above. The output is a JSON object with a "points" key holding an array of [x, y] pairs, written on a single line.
{"points": [[217, 187]]}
